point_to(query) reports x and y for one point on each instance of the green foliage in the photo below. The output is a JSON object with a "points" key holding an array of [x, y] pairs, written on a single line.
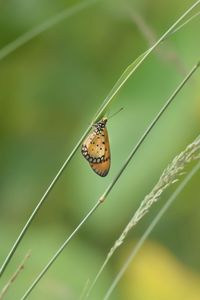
{"points": [[50, 89]]}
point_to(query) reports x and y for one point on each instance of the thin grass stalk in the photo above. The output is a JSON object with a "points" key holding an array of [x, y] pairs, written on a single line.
{"points": [[14, 276], [147, 232], [28, 36], [133, 67], [85, 288], [125, 76], [150, 36], [59, 251], [33, 33], [169, 176], [185, 23], [167, 54], [108, 190], [168, 102], [40, 203]]}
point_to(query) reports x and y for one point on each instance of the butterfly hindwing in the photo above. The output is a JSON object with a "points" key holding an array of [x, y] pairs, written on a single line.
{"points": [[101, 169]]}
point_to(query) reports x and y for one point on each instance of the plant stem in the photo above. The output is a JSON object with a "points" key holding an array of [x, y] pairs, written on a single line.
{"points": [[125, 76], [171, 98], [132, 67], [143, 238], [40, 203], [14, 276], [102, 198], [59, 251], [107, 191], [26, 37]]}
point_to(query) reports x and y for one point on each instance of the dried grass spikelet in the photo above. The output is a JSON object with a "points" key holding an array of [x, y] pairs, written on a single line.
{"points": [[170, 175]]}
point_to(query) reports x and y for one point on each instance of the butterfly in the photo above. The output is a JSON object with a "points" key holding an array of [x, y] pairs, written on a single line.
{"points": [[96, 148]]}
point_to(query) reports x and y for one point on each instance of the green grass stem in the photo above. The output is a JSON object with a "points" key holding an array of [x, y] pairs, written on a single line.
{"points": [[147, 232], [108, 190], [125, 76]]}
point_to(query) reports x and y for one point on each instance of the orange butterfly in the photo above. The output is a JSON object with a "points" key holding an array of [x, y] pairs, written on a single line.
{"points": [[96, 149]]}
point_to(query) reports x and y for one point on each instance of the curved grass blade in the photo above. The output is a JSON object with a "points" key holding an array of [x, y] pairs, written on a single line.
{"points": [[28, 36], [109, 188], [125, 76], [147, 232], [102, 198]]}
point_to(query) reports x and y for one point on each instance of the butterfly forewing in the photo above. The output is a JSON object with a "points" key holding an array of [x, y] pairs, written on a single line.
{"points": [[96, 149]]}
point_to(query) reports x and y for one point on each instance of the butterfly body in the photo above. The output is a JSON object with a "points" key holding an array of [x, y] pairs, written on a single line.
{"points": [[96, 149]]}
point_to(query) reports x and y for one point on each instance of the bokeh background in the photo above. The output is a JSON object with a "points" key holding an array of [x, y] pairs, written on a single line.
{"points": [[50, 89]]}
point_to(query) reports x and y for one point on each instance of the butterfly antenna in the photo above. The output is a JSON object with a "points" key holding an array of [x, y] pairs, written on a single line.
{"points": [[116, 113]]}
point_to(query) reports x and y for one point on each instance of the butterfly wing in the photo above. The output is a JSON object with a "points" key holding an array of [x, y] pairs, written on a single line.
{"points": [[101, 169], [96, 151]]}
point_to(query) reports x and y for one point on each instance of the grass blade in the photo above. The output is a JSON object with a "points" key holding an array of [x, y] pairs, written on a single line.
{"points": [[155, 221], [28, 36], [14, 276], [103, 197], [108, 190], [125, 76]]}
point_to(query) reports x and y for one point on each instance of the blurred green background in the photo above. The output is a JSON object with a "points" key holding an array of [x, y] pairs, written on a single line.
{"points": [[50, 90]]}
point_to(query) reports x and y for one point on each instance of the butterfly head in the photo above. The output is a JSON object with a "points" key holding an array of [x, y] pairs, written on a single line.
{"points": [[101, 124]]}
